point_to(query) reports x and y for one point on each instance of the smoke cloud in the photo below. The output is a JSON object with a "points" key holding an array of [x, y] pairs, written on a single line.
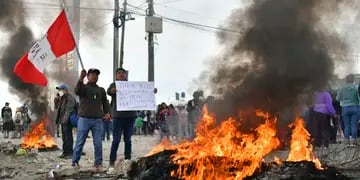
{"points": [[283, 53], [12, 21]]}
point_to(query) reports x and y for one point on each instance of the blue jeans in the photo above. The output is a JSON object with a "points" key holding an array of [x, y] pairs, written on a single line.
{"points": [[83, 127], [107, 129], [164, 130], [350, 116], [121, 125]]}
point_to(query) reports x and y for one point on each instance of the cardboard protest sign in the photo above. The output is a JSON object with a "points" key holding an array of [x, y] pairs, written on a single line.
{"points": [[134, 96]]}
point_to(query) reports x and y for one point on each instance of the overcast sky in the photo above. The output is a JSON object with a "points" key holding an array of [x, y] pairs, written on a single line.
{"points": [[180, 51]]}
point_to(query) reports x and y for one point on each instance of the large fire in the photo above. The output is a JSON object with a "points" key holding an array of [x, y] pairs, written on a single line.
{"points": [[300, 148], [38, 137], [223, 152]]}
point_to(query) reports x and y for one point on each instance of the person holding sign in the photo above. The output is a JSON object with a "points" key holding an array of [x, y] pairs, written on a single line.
{"points": [[93, 110], [123, 121]]}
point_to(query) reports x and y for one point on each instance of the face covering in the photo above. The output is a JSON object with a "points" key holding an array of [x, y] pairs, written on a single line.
{"points": [[61, 93]]}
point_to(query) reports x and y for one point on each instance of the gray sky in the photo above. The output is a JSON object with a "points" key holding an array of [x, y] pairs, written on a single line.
{"points": [[180, 51]]}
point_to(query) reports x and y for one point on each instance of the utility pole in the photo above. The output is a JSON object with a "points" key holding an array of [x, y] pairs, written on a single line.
{"points": [[116, 38], [151, 72], [123, 20]]}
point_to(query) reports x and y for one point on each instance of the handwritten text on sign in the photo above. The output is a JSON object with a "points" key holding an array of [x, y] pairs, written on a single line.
{"points": [[132, 96]]}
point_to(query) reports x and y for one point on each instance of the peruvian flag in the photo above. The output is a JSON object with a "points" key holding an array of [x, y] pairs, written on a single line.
{"points": [[57, 41]]}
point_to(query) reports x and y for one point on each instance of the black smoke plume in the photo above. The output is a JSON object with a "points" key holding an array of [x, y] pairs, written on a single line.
{"points": [[12, 21], [281, 54]]}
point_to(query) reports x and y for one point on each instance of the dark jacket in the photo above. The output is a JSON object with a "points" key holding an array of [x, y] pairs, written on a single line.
{"points": [[65, 107], [195, 105], [93, 100], [114, 112], [6, 113]]}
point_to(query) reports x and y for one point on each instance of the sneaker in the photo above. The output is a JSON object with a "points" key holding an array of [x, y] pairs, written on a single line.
{"points": [[127, 158], [111, 170], [352, 145]]}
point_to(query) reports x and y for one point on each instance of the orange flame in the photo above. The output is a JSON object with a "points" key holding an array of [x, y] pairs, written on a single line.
{"points": [[300, 148], [278, 161], [38, 137], [164, 144], [223, 152]]}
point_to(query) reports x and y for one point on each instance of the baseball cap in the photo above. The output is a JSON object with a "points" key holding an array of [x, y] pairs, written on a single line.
{"points": [[62, 87], [93, 70], [120, 69]]}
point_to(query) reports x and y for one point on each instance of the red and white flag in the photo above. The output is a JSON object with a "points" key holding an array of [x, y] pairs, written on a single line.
{"points": [[57, 41]]}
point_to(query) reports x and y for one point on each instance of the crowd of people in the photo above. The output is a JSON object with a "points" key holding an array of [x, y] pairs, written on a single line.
{"points": [[178, 122], [14, 125], [330, 115], [102, 118], [335, 114]]}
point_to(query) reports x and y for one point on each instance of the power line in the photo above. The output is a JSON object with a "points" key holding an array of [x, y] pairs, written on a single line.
{"points": [[169, 1], [191, 27], [186, 11], [201, 25], [142, 4], [57, 6], [136, 7], [188, 24], [194, 24]]}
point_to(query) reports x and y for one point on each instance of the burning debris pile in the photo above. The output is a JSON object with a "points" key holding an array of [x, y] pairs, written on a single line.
{"points": [[296, 170], [282, 55], [223, 152], [38, 137], [160, 166]]}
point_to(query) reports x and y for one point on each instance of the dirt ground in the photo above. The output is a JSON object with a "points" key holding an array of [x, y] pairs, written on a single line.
{"points": [[38, 166]]}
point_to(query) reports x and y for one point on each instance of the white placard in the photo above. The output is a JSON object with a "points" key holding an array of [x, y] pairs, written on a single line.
{"points": [[133, 96]]}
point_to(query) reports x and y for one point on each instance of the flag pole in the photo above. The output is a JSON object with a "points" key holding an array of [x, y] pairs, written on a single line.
{"points": [[72, 33]]}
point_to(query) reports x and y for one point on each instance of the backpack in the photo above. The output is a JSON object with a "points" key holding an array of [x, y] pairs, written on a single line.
{"points": [[74, 116]]}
